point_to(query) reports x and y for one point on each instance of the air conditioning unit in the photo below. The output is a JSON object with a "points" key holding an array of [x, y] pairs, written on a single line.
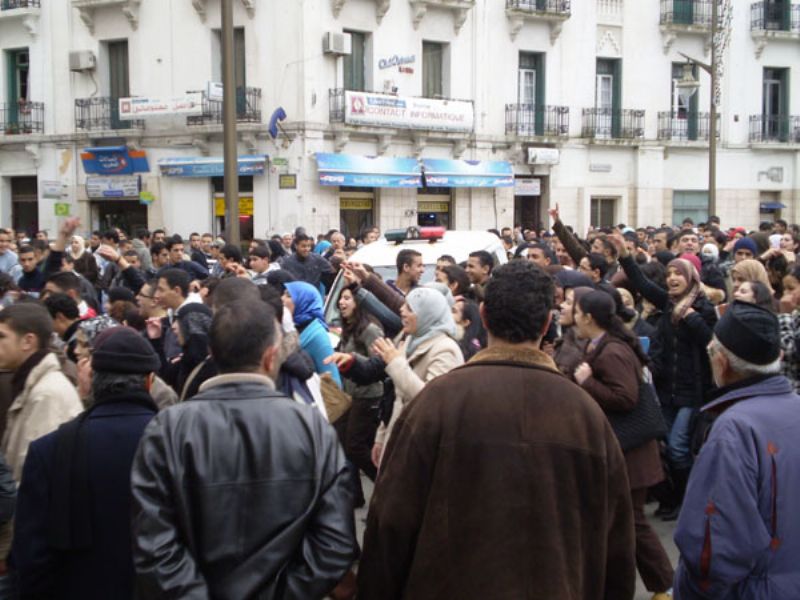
{"points": [[340, 44], [82, 60]]}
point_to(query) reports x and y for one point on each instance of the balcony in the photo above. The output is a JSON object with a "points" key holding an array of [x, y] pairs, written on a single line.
{"points": [[774, 129], [21, 118], [610, 12], [381, 8], [613, 125], [552, 12], [102, 113], [686, 127], [248, 108], [459, 8], [27, 11], [776, 20], [86, 8], [527, 120], [685, 17]]}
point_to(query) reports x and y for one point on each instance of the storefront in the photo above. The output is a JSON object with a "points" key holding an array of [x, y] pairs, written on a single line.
{"points": [[113, 187], [213, 169], [434, 207], [357, 178]]}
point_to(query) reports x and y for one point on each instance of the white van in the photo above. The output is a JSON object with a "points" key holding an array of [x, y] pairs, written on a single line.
{"points": [[381, 255]]}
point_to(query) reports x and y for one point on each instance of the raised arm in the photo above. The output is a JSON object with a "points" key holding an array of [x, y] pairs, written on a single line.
{"points": [[571, 245], [652, 293]]}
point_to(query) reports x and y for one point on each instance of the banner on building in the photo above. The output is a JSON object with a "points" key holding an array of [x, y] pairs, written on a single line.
{"points": [[467, 173], [99, 188], [139, 108], [209, 166], [405, 112], [368, 171], [114, 160]]}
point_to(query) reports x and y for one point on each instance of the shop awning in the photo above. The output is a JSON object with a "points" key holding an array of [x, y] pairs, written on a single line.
{"points": [[210, 166], [114, 160], [467, 173], [368, 171], [772, 205]]}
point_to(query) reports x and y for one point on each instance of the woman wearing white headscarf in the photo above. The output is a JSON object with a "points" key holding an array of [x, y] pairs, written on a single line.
{"points": [[84, 261], [427, 351]]}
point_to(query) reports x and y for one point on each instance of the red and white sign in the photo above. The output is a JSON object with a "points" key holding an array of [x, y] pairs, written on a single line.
{"points": [[403, 112]]}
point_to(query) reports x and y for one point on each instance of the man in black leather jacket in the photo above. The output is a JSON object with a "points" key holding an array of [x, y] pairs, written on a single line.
{"points": [[242, 492]]}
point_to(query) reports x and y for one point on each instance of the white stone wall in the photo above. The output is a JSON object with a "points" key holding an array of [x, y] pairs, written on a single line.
{"points": [[172, 50]]}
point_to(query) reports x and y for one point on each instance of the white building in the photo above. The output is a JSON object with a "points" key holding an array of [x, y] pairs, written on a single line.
{"points": [[574, 100]]}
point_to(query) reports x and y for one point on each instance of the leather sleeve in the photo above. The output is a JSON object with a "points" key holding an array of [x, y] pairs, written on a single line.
{"points": [[329, 546], [384, 293], [164, 566], [571, 245]]}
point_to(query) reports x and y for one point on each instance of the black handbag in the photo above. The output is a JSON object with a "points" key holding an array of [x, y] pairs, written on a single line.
{"points": [[642, 424]]}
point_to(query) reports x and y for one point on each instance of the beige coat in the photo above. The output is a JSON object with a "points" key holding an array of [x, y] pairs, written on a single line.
{"points": [[47, 400], [432, 358]]}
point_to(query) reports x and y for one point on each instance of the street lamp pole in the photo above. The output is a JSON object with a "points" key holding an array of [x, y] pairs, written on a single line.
{"points": [[230, 153], [688, 87]]}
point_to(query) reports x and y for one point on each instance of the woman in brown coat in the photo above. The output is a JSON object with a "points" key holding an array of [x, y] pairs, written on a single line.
{"points": [[611, 374]]}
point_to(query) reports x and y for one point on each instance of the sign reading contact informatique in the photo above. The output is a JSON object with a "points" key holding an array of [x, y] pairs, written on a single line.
{"points": [[403, 112]]}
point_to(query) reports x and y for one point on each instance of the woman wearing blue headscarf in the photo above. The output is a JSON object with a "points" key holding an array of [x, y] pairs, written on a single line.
{"points": [[305, 303]]}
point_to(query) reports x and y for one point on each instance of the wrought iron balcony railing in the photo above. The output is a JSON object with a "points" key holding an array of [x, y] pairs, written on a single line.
{"points": [[92, 114], [683, 126], [783, 129], [686, 13], [22, 117], [11, 4], [529, 120], [613, 124], [777, 15], [248, 108], [548, 7]]}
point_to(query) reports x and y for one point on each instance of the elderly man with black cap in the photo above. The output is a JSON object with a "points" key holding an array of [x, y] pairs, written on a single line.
{"points": [[72, 535], [739, 529]]}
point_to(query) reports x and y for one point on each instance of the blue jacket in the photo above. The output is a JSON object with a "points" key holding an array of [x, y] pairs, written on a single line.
{"points": [[739, 529], [106, 569]]}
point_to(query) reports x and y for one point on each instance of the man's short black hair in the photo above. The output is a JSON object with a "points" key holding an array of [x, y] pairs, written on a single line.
{"points": [[598, 262], [111, 234], [782, 223], [232, 252], [159, 231], [40, 245], [156, 248], [457, 275], [171, 241], [261, 252], [66, 281], [486, 259], [765, 226], [61, 304], [447, 258], [405, 257], [517, 302], [234, 289], [176, 278], [26, 250], [240, 334], [142, 233], [272, 296], [303, 238], [29, 317]]}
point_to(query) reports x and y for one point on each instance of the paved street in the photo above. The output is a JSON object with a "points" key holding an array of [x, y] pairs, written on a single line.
{"points": [[664, 531]]}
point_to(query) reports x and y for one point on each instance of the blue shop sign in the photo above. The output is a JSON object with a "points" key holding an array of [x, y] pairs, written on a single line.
{"points": [[205, 166], [114, 160], [368, 171], [467, 173]]}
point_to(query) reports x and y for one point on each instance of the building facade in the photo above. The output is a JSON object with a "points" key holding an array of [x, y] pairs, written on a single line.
{"points": [[464, 113]]}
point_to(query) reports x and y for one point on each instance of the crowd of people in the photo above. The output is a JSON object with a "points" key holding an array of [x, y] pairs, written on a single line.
{"points": [[181, 420]]}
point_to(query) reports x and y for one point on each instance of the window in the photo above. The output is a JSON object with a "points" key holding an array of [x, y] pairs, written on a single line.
{"points": [[691, 204], [118, 78], [530, 94], [603, 212], [778, 15], [684, 115], [432, 69], [239, 59], [683, 11], [355, 64], [775, 118], [608, 97], [18, 88]]}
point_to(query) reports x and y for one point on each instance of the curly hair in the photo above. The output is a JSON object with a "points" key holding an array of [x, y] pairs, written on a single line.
{"points": [[517, 302]]}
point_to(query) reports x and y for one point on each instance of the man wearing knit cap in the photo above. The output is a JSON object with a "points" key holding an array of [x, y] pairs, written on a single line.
{"points": [[72, 535], [744, 248], [739, 529]]}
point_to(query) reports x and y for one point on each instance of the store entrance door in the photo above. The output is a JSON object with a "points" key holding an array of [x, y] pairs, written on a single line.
{"points": [[25, 205], [128, 215], [356, 213]]}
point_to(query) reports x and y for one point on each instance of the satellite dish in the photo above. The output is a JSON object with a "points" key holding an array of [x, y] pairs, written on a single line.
{"points": [[274, 122]]}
